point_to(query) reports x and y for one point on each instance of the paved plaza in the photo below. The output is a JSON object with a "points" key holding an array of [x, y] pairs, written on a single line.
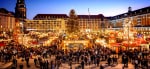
{"points": [[66, 65], [74, 66]]}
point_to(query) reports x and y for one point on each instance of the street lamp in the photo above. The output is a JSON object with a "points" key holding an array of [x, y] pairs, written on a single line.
{"points": [[128, 36], [1, 28], [88, 27]]}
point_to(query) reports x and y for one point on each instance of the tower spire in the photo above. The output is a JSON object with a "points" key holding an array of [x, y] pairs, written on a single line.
{"points": [[20, 9], [129, 9], [20, 1]]}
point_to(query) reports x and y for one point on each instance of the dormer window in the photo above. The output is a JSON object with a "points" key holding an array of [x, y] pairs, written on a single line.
{"points": [[22, 6], [125, 15]]}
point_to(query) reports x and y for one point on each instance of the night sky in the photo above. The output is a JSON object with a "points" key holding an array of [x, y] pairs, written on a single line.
{"points": [[105, 7]]}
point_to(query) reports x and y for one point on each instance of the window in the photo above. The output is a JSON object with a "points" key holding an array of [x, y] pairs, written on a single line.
{"points": [[147, 10], [125, 15], [22, 6], [140, 10], [139, 21]]}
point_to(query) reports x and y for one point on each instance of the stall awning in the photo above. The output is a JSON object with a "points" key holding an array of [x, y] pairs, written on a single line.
{"points": [[2, 44], [115, 44]]}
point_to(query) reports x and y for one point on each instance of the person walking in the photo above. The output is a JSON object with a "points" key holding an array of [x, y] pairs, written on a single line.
{"points": [[52, 65], [126, 61], [101, 67], [82, 64], [27, 61], [146, 63], [70, 64], [15, 62], [41, 64], [21, 66], [35, 61], [98, 61], [109, 61], [136, 64], [47, 64]]}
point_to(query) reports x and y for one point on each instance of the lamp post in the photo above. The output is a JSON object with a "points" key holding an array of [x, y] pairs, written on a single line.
{"points": [[128, 37], [88, 27], [1, 28]]}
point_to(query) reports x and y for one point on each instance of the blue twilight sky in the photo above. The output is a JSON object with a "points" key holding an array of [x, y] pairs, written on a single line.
{"points": [[105, 7]]}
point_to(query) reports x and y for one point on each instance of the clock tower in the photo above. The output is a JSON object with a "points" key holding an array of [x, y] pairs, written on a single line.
{"points": [[20, 9]]}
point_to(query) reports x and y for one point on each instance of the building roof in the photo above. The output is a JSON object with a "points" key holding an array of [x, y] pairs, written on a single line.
{"points": [[50, 15], [132, 13], [91, 16], [43, 16], [6, 12], [3, 10], [100, 16]]}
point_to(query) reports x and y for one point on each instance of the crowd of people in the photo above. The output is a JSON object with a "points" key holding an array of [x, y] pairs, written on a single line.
{"points": [[83, 57]]}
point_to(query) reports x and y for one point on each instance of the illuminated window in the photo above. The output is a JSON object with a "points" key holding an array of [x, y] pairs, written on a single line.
{"points": [[139, 21]]}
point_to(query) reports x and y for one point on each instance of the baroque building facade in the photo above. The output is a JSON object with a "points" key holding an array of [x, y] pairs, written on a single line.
{"points": [[54, 25], [87, 23], [47, 23], [7, 20], [140, 20]]}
